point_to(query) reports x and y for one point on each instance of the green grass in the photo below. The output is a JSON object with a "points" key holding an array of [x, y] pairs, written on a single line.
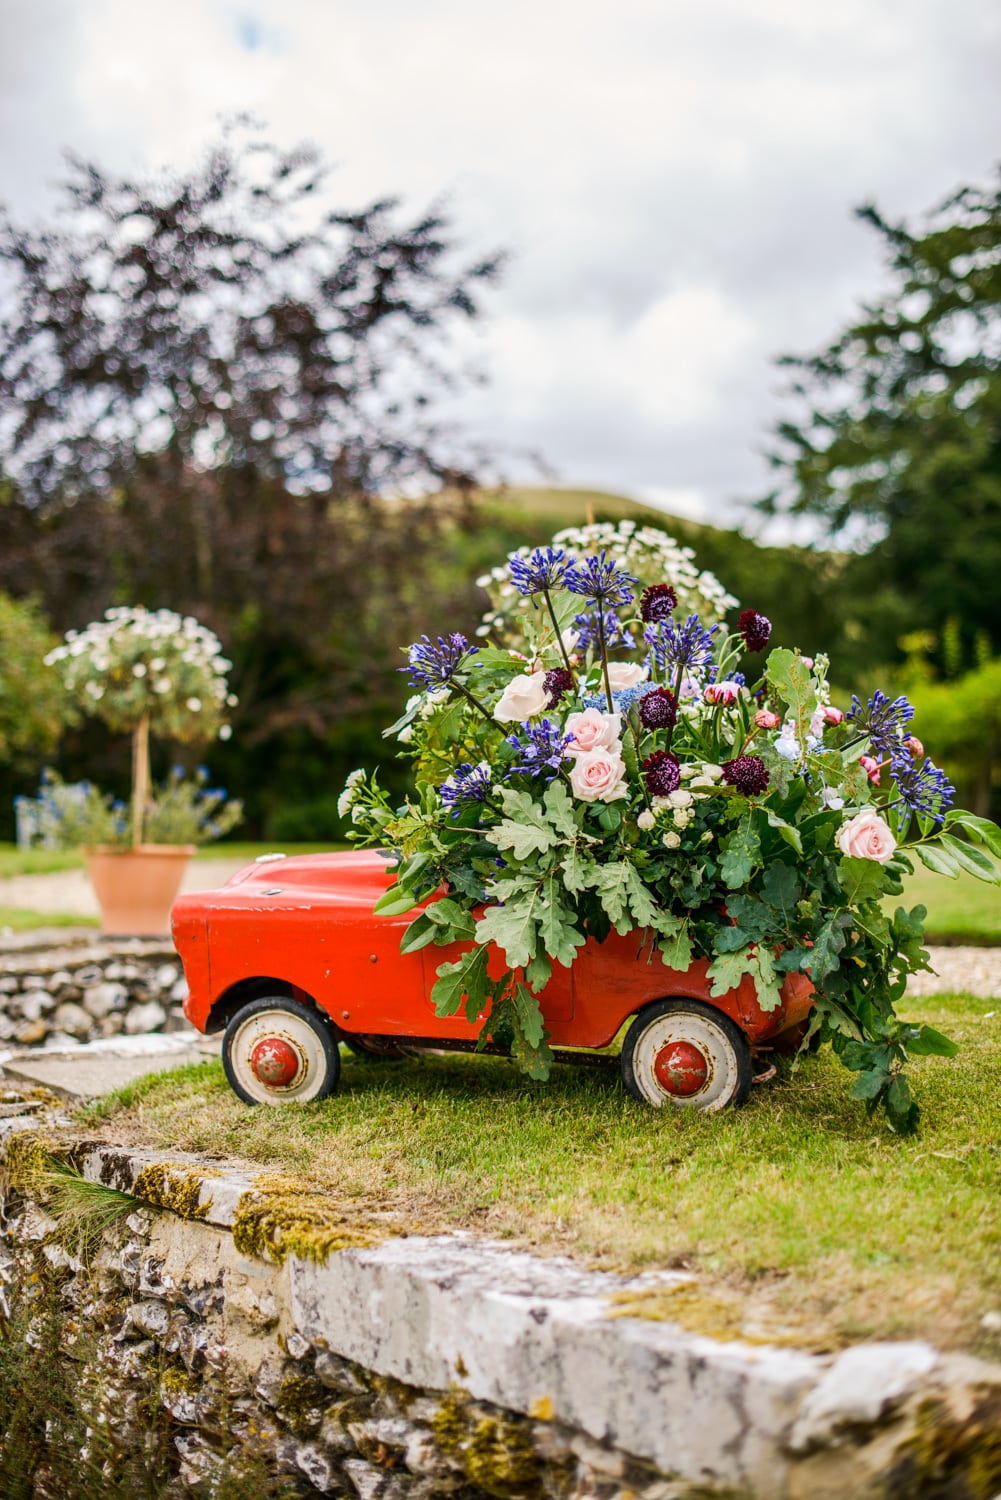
{"points": [[19, 920], [15, 861], [960, 910], [810, 1219]]}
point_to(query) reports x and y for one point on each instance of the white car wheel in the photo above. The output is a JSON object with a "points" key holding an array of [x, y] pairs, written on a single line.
{"points": [[688, 1054], [279, 1051]]}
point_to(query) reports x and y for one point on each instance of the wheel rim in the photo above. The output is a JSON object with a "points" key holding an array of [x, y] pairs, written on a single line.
{"points": [[278, 1056], [685, 1059]]}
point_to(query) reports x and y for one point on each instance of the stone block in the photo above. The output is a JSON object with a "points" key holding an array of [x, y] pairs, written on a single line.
{"points": [[144, 1018], [861, 1386], [100, 999], [72, 1019]]}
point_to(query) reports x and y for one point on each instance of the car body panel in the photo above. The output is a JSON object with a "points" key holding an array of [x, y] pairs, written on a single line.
{"points": [[307, 923]]}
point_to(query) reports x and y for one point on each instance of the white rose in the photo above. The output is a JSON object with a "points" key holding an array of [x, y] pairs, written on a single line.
{"points": [[867, 836], [625, 674], [671, 840], [680, 798], [646, 820], [523, 698], [599, 776], [593, 730]]}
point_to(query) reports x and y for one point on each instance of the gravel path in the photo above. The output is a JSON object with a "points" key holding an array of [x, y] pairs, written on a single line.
{"points": [[976, 971]]}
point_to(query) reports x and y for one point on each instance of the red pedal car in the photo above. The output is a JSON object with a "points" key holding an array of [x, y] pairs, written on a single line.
{"points": [[289, 959]]}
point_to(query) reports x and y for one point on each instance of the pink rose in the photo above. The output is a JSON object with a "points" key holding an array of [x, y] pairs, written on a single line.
{"points": [[914, 745], [593, 730], [870, 767], [866, 836], [625, 674], [722, 692], [833, 715], [765, 719], [599, 776], [523, 698]]}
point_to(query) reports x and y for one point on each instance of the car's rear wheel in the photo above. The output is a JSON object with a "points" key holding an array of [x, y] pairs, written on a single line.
{"points": [[686, 1053], [279, 1051]]}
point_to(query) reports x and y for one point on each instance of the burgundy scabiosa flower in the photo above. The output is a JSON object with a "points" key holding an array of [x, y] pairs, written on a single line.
{"points": [[662, 772], [756, 629], [556, 683], [658, 601], [658, 709], [748, 774]]}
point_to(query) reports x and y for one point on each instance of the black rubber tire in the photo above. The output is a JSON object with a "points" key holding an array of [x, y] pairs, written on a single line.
{"points": [[328, 1058], [729, 1042]]}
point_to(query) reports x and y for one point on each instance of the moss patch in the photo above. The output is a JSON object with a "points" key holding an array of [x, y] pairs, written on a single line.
{"points": [[284, 1215], [715, 1314], [28, 1159], [168, 1184], [949, 1458], [495, 1451]]}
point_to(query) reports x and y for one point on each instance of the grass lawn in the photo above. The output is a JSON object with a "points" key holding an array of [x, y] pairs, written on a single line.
{"points": [[15, 861], [17, 920], [960, 910], [808, 1221]]}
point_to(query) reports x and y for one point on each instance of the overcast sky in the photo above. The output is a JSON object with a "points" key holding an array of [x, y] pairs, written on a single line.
{"points": [[675, 178]]}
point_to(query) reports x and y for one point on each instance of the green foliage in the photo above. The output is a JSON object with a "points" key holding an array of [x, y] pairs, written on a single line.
{"points": [[900, 438], [183, 810], [33, 708]]}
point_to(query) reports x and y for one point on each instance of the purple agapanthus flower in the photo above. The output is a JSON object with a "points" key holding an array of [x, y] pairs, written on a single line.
{"points": [[616, 634], [465, 785], [687, 648], [922, 787], [541, 747], [883, 720], [604, 581], [434, 663], [545, 568]]}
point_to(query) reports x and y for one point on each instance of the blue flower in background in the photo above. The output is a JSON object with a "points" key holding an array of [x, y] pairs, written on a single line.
{"points": [[623, 699], [686, 648], [616, 634], [542, 749], [545, 568]]}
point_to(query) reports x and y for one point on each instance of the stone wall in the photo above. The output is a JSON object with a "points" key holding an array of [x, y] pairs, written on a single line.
{"points": [[79, 992], [354, 1363]]}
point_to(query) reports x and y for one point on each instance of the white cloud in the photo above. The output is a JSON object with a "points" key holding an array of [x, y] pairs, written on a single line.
{"points": [[675, 179]]}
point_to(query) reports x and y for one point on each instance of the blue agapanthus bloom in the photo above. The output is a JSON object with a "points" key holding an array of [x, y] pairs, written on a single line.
{"points": [[687, 648], [604, 581], [434, 663], [616, 634], [541, 747], [465, 785], [883, 720], [545, 568], [923, 788]]}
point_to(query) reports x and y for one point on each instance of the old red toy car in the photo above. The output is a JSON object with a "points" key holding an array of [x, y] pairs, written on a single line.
{"points": [[290, 959]]}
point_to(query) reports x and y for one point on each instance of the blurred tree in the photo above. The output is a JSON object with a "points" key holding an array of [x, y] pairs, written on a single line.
{"points": [[34, 708], [208, 385], [899, 449]]}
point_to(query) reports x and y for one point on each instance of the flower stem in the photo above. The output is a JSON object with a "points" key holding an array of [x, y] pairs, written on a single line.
{"points": [[604, 659], [559, 634], [474, 701]]}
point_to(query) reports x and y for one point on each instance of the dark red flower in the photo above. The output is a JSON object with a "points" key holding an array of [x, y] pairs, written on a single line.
{"points": [[658, 709], [756, 629], [663, 773], [556, 683], [657, 602], [748, 773]]}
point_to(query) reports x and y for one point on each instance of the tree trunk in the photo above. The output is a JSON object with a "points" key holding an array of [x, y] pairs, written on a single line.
{"points": [[140, 778]]}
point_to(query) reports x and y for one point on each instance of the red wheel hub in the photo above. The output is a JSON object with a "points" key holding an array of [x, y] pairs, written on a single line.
{"points": [[681, 1069], [274, 1062]]}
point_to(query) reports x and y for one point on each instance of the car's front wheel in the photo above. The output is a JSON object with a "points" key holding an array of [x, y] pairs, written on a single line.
{"points": [[279, 1051], [686, 1053]]}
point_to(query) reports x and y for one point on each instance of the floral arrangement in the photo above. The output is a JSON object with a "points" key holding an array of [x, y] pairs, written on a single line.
{"points": [[184, 810], [639, 766], [146, 671]]}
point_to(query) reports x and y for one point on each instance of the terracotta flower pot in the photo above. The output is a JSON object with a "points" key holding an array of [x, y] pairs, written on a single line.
{"points": [[136, 888]]}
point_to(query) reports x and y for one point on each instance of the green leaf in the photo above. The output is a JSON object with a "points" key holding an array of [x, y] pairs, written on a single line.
{"points": [[780, 888], [524, 834], [466, 978], [539, 972], [981, 828], [579, 870], [449, 914], [785, 830], [420, 932], [676, 948], [870, 1084], [766, 982], [557, 925], [394, 902], [830, 940], [513, 928], [740, 853], [931, 1043], [971, 859], [936, 860], [861, 880], [529, 1046], [612, 884], [728, 969], [900, 1108], [559, 809], [793, 681]]}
